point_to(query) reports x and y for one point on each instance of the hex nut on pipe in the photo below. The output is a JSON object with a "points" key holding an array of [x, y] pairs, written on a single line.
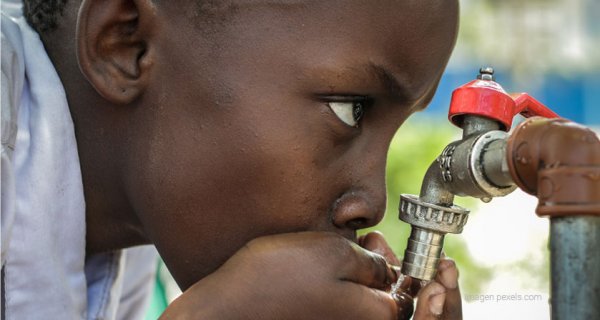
{"points": [[433, 217]]}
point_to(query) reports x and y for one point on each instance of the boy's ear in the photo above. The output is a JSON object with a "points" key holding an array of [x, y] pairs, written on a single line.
{"points": [[113, 39]]}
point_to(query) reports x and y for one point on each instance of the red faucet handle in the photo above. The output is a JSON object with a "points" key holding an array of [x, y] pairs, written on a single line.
{"points": [[484, 98], [528, 107]]}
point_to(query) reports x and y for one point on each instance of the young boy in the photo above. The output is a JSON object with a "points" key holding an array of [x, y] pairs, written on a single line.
{"points": [[245, 139]]}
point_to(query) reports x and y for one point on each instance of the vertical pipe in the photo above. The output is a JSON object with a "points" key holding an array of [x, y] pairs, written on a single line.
{"points": [[575, 267]]}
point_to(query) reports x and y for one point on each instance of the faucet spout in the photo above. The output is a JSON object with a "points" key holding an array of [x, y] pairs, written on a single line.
{"points": [[431, 216], [434, 189]]}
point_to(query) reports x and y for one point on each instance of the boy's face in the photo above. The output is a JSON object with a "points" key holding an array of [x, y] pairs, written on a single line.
{"points": [[246, 136]]}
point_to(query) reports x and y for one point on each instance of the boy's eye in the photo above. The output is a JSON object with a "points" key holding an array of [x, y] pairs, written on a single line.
{"points": [[349, 112]]}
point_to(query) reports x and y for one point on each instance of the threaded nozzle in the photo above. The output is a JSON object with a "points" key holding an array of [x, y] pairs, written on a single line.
{"points": [[422, 253]]}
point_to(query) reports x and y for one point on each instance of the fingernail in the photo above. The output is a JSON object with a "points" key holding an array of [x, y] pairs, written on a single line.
{"points": [[448, 274], [436, 303]]}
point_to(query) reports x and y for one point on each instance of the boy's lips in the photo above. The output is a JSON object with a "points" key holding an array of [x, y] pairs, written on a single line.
{"points": [[348, 234]]}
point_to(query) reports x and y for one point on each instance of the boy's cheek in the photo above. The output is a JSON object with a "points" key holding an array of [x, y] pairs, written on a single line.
{"points": [[200, 208]]}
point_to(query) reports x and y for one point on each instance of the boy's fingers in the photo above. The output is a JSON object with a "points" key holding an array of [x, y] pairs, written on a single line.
{"points": [[368, 268], [440, 299], [374, 304], [374, 241], [430, 303], [448, 276], [361, 240]]}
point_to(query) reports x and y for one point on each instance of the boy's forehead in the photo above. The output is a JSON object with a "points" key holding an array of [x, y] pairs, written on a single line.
{"points": [[226, 8], [401, 44], [344, 18], [228, 4]]}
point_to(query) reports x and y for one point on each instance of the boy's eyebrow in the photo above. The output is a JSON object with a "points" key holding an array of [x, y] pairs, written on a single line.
{"points": [[395, 87]]}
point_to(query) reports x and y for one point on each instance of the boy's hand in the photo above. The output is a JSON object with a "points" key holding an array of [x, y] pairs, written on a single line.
{"points": [[309, 275], [440, 299]]}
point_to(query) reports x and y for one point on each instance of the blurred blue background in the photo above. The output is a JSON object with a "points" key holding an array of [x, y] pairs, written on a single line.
{"points": [[573, 96], [548, 48]]}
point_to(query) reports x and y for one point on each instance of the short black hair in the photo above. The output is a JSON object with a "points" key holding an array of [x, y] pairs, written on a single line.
{"points": [[43, 15]]}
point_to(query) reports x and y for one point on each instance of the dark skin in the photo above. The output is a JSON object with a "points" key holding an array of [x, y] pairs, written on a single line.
{"points": [[214, 136]]}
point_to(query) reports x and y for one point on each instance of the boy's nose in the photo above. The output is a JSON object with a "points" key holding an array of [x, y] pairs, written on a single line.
{"points": [[358, 209], [363, 205]]}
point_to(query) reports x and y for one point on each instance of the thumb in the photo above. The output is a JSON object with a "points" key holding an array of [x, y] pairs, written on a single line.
{"points": [[430, 302]]}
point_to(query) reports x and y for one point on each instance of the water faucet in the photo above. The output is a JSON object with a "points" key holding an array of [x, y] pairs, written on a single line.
{"points": [[474, 166], [555, 160]]}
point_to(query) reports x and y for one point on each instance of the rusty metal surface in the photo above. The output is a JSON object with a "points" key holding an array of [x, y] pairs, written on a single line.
{"points": [[558, 161]]}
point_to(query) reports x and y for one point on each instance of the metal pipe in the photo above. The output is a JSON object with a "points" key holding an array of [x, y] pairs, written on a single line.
{"points": [[495, 164], [472, 124], [575, 267]]}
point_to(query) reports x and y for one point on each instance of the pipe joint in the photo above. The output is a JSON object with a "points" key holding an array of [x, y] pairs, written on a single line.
{"points": [[565, 177]]}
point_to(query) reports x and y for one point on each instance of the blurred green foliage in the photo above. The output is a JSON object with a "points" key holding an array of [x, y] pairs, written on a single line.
{"points": [[418, 142]]}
